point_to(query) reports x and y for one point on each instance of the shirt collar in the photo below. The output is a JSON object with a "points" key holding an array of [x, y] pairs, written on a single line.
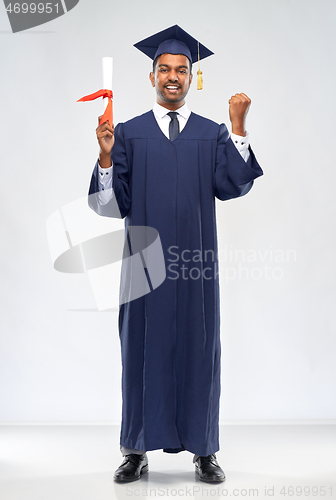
{"points": [[160, 111]]}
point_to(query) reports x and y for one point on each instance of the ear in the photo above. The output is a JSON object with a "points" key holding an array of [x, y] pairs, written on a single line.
{"points": [[191, 77], [152, 78]]}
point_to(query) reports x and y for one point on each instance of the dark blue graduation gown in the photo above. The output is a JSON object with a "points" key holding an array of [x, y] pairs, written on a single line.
{"points": [[170, 338]]}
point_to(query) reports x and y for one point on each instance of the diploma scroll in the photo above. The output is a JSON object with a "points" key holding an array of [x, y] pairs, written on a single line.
{"points": [[107, 66], [105, 92]]}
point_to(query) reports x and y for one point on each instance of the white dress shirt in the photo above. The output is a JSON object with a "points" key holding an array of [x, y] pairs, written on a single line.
{"points": [[105, 174]]}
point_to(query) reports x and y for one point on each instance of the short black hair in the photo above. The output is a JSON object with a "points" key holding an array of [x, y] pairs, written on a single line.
{"points": [[156, 60]]}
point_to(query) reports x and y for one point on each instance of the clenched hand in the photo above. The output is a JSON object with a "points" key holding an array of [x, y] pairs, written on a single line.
{"points": [[239, 105]]}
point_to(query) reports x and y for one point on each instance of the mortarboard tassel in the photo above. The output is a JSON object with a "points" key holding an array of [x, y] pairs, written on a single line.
{"points": [[199, 72]]}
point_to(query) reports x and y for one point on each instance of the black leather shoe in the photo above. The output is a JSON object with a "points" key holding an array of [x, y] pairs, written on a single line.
{"points": [[208, 469], [132, 467]]}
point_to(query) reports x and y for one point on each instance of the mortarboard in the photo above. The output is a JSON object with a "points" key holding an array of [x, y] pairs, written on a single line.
{"points": [[175, 40]]}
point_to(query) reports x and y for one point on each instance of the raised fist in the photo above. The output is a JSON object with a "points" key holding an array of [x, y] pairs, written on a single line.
{"points": [[239, 105]]}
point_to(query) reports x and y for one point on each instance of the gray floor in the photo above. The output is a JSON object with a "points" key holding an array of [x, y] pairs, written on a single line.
{"points": [[76, 462]]}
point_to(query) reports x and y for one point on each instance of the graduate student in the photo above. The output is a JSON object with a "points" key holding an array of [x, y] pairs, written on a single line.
{"points": [[164, 170]]}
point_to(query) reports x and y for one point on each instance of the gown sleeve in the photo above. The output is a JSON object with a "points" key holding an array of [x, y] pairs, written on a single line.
{"points": [[120, 203], [233, 176]]}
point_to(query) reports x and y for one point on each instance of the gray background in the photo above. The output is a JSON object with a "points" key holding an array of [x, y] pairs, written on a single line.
{"points": [[59, 358]]}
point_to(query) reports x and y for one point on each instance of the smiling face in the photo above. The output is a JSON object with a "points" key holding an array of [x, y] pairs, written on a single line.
{"points": [[171, 79]]}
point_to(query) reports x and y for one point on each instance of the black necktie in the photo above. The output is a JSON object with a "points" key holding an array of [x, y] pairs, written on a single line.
{"points": [[174, 127]]}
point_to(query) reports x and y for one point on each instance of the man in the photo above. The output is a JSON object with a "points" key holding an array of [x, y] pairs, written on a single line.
{"points": [[164, 170]]}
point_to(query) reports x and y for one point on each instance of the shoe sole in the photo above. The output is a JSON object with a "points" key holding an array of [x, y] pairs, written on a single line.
{"points": [[144, 469], [121, 480]]}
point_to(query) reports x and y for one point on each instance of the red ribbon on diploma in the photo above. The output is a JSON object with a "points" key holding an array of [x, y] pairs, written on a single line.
{"points": [[108, 113]]}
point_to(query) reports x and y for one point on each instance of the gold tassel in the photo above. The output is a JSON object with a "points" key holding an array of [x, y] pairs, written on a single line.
{"points": [[199, 72], [199, 80]]}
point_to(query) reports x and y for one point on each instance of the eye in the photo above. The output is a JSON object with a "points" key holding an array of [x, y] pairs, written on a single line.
{"points": [[163, 70]]}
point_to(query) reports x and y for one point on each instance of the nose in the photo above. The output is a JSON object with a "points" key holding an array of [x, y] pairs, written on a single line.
{"points": [[173, 76]]}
